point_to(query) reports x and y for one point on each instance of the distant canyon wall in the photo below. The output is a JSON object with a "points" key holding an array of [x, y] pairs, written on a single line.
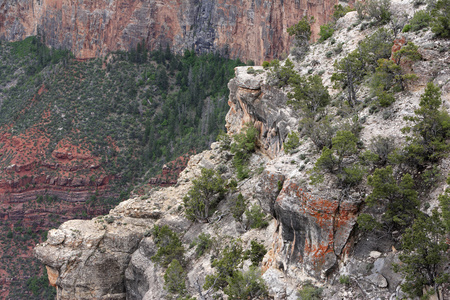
{"points": [[250, 29]]}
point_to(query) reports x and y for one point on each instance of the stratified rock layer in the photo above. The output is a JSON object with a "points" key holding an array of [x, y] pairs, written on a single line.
{"points": [[246, 29]]}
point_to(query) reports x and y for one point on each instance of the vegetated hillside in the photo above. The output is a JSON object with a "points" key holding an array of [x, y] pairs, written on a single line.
{"points": [[331, 183], [76, 136]]}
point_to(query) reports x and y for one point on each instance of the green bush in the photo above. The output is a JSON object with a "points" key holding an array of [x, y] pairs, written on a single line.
{"points": [[367, 222], [204, 195], [331, 160], [326, 31], [292, 142], [375, 47], [265, 64], [340, 11], [310, 292], [421, 19], [320, 132], [349, 73], [169, 246], [246, 285], [278, 74], [242, 148], [344, 279], [224, 139], [441, 19], [430, 130], [256, 217], [406, 28], [309, 94], [424, 257], [204, 243], [444, 204], [379, 10], [174, 278], [301, 33], [409, 52], [382, 147], [343, 145], [226, 266], [238, 207], [399, 198], [351, 176], [256, 253]]}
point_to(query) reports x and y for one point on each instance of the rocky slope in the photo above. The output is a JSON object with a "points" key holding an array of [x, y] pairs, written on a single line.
{"points": [[312, 233], [246, 29]]}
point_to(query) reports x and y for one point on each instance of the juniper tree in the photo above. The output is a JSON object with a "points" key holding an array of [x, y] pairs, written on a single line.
{"points": [[204, 195], [301, 33], [349, 73], [425, 254], [430, 129]]}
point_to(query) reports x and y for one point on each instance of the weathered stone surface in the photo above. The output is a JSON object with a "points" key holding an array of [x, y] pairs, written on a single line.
{"points": [[314, 229], [253, 101], [267, 190], [275, 279], [378, 280], [246, 29], [91, 260], [375, 254]]}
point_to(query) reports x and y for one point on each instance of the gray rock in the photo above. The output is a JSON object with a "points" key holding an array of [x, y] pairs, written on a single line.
{"points": [[378, 280]]}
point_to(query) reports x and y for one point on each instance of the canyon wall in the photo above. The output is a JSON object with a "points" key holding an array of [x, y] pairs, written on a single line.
{"points": [[109, 257], [253, 30]]}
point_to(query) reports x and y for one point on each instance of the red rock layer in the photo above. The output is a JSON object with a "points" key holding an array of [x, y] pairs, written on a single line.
{"points": [[247, 29]]}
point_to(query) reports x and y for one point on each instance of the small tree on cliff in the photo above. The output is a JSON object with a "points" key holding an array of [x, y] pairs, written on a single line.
{"points": [[338, 160], [243, 146], [430, 129], [349, 73], [204, 195], [424, 256], [301, 33]]}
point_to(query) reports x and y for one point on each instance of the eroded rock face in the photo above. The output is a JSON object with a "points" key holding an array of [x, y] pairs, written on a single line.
{"points": [[254, 101], [313, 232], [110, 257], [246, 29], [89, 258]]}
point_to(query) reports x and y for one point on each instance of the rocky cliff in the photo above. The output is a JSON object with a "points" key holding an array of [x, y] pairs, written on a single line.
{"points": [[247, 29], [311, 234]]}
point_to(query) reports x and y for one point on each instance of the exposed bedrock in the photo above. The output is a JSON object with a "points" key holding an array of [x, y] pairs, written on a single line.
{"points": [[247, 29], [252, 101]]}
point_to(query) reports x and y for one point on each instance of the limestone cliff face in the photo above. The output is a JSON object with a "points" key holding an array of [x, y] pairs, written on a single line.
{"points": [[110, 257], [254, 101], [311, 234], [247, 29]]}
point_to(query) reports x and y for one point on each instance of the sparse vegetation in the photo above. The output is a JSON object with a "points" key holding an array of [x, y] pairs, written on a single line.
{"points": [[243, 146], [424, 256], [205, 194], [310, 292], [441, 19], [256, 218], [301, 33], [169, 246], [292, 142]]}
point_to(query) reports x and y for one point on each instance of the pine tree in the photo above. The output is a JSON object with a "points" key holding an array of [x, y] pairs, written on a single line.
{"points": [[424, 256]]}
